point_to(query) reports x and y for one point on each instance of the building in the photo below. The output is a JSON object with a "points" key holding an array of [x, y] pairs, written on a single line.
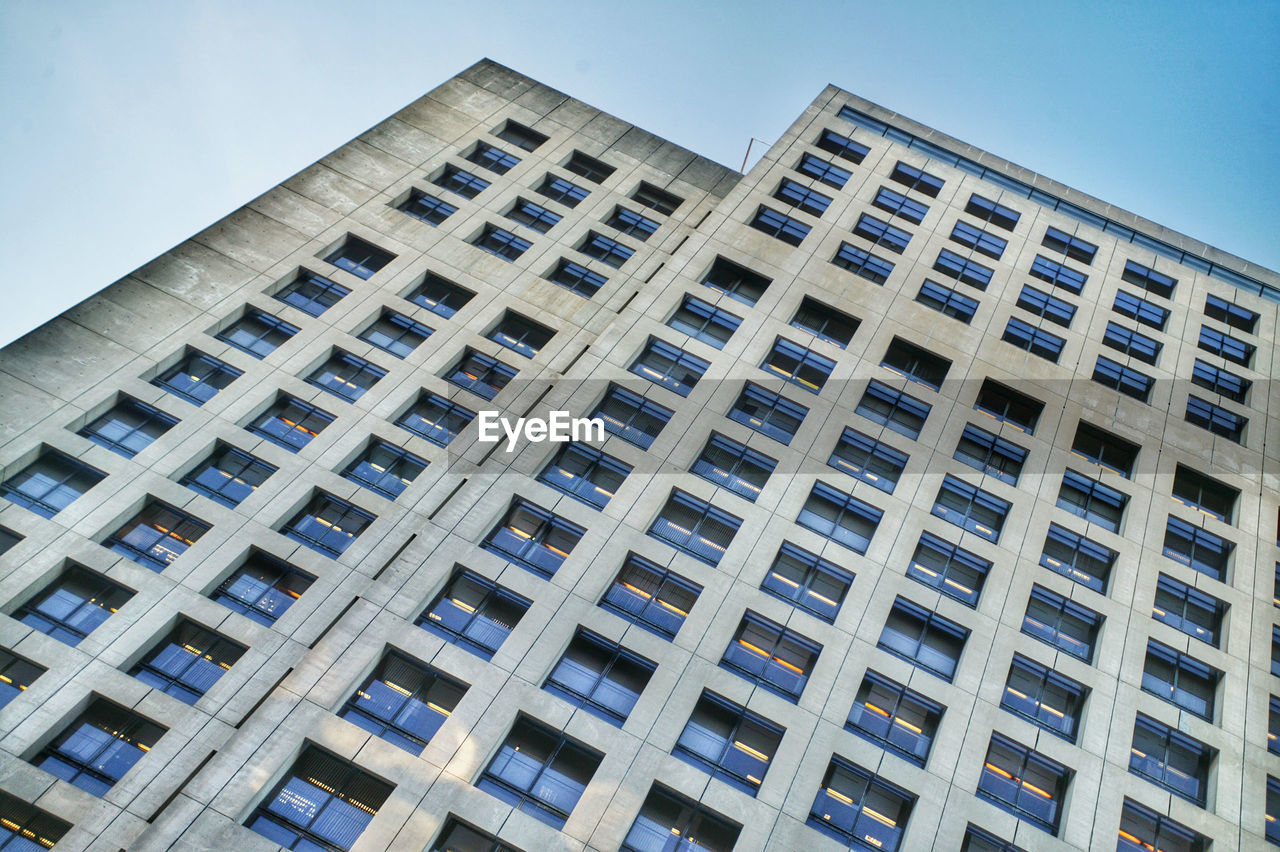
{"points": [[937, 508]]}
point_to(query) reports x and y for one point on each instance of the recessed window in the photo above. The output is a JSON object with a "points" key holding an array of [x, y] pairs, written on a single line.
{"points": [[882, 233], [863, 264], [807, 581], [898, 411], [981, 840], [1171, 760], [559, 189], [345, 376], [384, 469], [798, 365], [915, 363], [474, 612], [768, 413], [586, 474], [840, 517], [1216, 419], [520, 334], [965, 271], [358, 257], [988, 211], [395, 333], [157, 535], [533, 538], [669, 366], [50, 483], [427, 208], [1057, 621], [600, 676], [1132, 343], [458, 836], [1009, 406], [667, 815], [1142, 829], [729, 742], [990, 454], [1050, 307], [1192, 612], [952, 570], [825, 322], [1273, 726], [70, 607], [403, 702], [461, 182], [1108, 451], [494, 159], [188, 662], [947, 301], [290, 423], [971, 508], [773, 656], [589, 167], [1148, 279], [1205, 552], [1226, 346], [328, 525], [1058, 275], [1043, 697], [703, 321], [197, 378], [435, 418], [1145, 312], [440, 295], [1024, 782], [25, 827], [312, 294], [695, 527], [860, 809], [1124, 379], [1073, 247], [607, 251], [651, 596], [1089, 499], [842, 146], [801, 197], [631, 417], [577, 278], [1220, 381], [533, 216], [16, 676], [1205, 494], [732, 465], [897, 204], [100, 746], [632, 224], [128, 427], [1180, 679], [865, 458], [895, 718], [923, 638], [1078, 558], [1232, 314], [257, 333], [8, 538], [503, 244], [524, 138], [736, 281], [775, 224], [540, 771], [479, 373], [828, 173], [263, 588], [656, 199], [913, 178], [1035, 340], [978, 240]]}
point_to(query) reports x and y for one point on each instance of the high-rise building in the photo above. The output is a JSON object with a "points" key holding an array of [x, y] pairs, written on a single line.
{"points": [[935, 507]]}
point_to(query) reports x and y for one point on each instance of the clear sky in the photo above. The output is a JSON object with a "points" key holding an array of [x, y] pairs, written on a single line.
{"points": [[129, 126]]}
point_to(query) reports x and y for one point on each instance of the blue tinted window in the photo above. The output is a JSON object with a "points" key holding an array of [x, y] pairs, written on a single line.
{"points": [[1192, 612], [893, 409], [157, 535], [463, 183], [703, 321], [798, 365], [840, 517], [895, 718], [914, 178], [773, 656], [767, 412], [395, 333], [782, 227], [651, 596], [991, 454], [923, 638], [50, 483], [559, 189], [859, 809], [952, 570], [632, 224], [1043, 304], [947, 301], [965, 271], [99, 747], [1218, 380], [989, 211], [807, 581], [669, 366], [882, 233], [435, 418], [607, 251], [801, 197], [865, 458], [533, 216], [440, 295], [863, 263], [1198, 548], [504, 244], [978, 240], [128, 427], [1058, 275], [1141, 310], [1127, 381], [197, 378], [359, 258], [403, 702], [428, 208], [257, 333], [480, 374], [577, 278], [842, 146], [384, 469], [1078, 558], [1035, 340], [263, 588], [729, 742], [1073, 247], [290, 423], [1216, 419], [533, 538], [1061, 623], [732, 465], [631, 417], [600, 676], [1148, 279], [322, 803], [1047, 699], [474, 612], [1227, 346], [695, 527], [328, 525], [1130, 342], [491, 158], [899, 205], [971, 508], [585, 474], [825, 172]]}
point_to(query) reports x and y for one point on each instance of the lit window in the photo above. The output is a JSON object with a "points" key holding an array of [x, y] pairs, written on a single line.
{"points": [[923, 638], [157, 535], [384, 469], [988, 211], [828, 173], [825, 322], [1009, 406], [482, 375], [1042, 304], [100, 746], [1215, 419], [1106, 450], [807, 581], [1093, 501], [1232, 314], [1205, 494], [559, 189], [1180, 679], [435, 418], [863, 264], [540, 771], [667, 815], [197, 378], [474, 612], [257, 333], [188, 662], [971, 508], [801, 197], [669, 366], [533, 538], [1142, 830], [865, 458], [600, 676], [842, 146], [731, 465], [1024, 782], [1183, 608], [16, 675], [1045, 698], [524, 138], [1078, 558], [1058, 275], [860, 809], [978, 240], [952, 570], [965, 271], [768, 413], [651, 596], [840, 517], [533, 216], [1273, 726], [1148, 279], [913, 178], [631, 417], [26, 828], [312, 294], [1135, 307], [345, 376], [427, 208], [50, 483], [895, 410], [1126, 340], [895, 718], [947, 301], [695, 527], [1073, 247], [328, 525], [917, 364], [632, 224], [461, 182], [1172, 760], [1035, 340], [263, 588], [290, 423], [729, 742], [503, 244], [898, 204], [70, 607], [1205, 552], [1057, 621], [403, 702], [128, 427], [495, 160], [704, 322], [395, 333], [1123, 379], [735, 281], [776, 658], [656, 199], [773, 223], [577, 278], [990, 454], [520, 334], [439, 295], [358, 257], [589, 167], [607, 251], [585, 474], [798, 365]]}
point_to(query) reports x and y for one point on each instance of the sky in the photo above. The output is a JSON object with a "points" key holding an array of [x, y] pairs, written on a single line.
{"points": [[130, 126]]}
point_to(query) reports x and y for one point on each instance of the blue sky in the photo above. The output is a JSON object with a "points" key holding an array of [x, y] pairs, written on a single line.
{"points": [[129, 126]]}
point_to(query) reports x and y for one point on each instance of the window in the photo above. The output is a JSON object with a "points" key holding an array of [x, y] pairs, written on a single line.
{"points": [[1181, 680], [8, 538], [263, 588], [1273, 726], [952, 570], [395, 333], [577, 278], [1226, 346], [1008, 406], [800, 197], [988, 211], [607, 251], [345, 376], [1135, 307], [257, 333], [358, 257], [651, 596], [825, 172], [842, 146], [1057, 621], [540, 771], [439, 295], [290, 423], [157, 535], [533, 538], [1216, 419], [559, 189], [971, 508], [631, 223], [1073, 247], [188, 662], [1058, 275], [980, 840], [384, 468], [1045, 698], [98, 748], [312, 294], [656, 199], [494, 159], [900, 412], [913, 178], [840, 517], [778, 659], [328, 525], [731, 465], [1205, 494], [403, 702], [524, 138], [474, 612], [16, 674], [1183, 608], [1142, 829], [435, 418], [695, 527], [865, 458], [1093, 501], [768, 413], [965, 271], [631, 417], [807, 581], [520, 334], [947, 301], [427, 208], [915, 363], [863, 264], [589, 167], [773, 223], [1205, 552], [667, 815], [825, 322], [1123, 379], [482, 375], [26, 828], [860, 809], [1140, 346], [898, 204], [1108, 451], [978, 240], [585, 474], [457, 836], [704, 322], [736, 281], [322, 803], [895, 718], [1078, 558], [669, 367], [128, 427], [1233, 315], [461, 182], [600, 676], [729, 742], [70, 607], [1148, 279], [533, 216], [50, 483], [1172, 760], [1024, 782], [923, 638], [798, 365], [882, 233], [1220, 381], [197, 378], [990, 454], [503, 244], [1037, 341]]}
